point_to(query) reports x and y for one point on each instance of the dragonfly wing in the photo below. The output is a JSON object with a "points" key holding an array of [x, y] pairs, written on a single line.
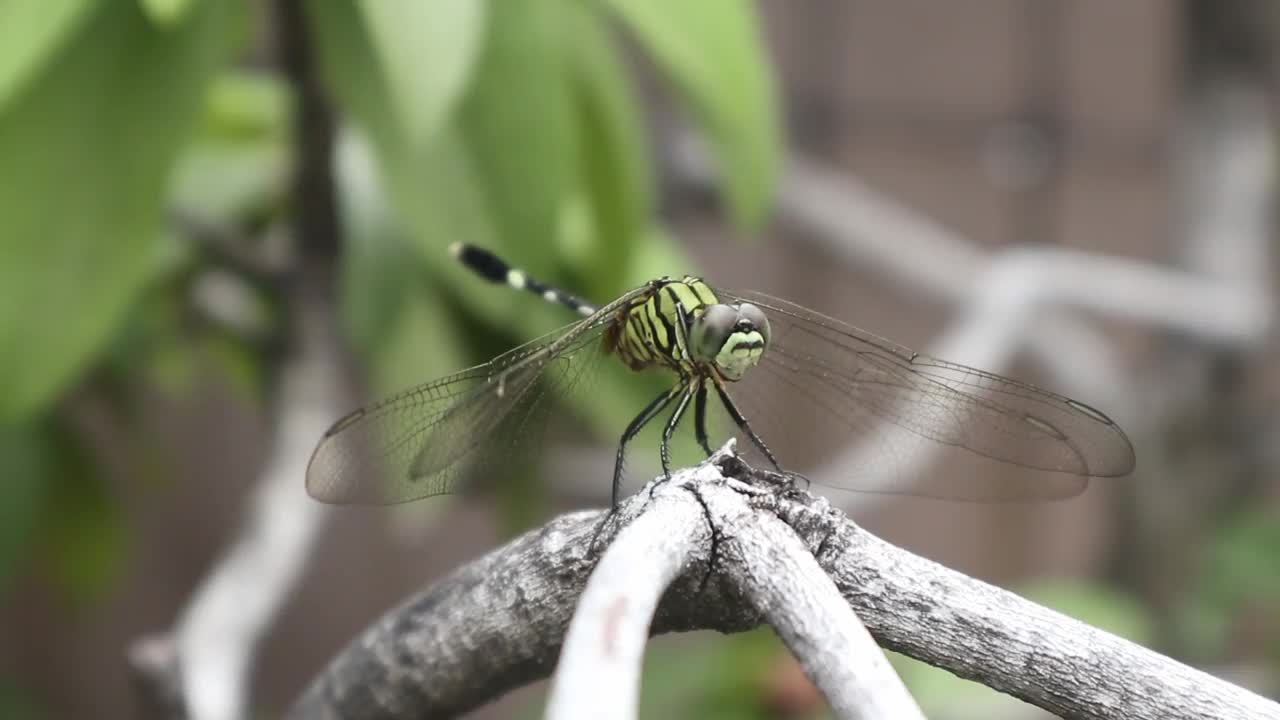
{"points": [[422, 441], [464, 426], [865, 388]]}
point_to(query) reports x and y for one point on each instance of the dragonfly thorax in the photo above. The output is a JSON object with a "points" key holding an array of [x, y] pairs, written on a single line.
{"points": [[683, 325], [730, 337]]}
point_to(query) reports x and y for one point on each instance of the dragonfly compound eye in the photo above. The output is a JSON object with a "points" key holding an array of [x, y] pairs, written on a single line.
{"points": [[710, 331], [732, 337], [755, 317]]}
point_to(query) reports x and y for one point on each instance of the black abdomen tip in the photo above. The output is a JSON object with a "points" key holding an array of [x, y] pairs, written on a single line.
{"points": [[482, 262]]}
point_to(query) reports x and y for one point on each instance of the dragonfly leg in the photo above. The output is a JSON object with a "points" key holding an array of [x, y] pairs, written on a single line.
{"points": [[670, 429], [700, 417], [745, 426], [647, 414], [682, 327]]}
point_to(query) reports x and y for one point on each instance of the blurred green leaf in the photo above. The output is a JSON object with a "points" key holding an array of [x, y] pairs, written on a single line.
{"points": [[442, 198], [16, 703], [24, 465], [382, 268], [941, 694], [425, 50], [80, 526], [242, 105], [171, 364], [238, 164], [704, 675], [434, 188], [713, 52], [412, 352], [30, 33], [218, 179], [1102, 607], [1240, 581], [375, 262], [615, 172], [242, 367], [1242, 559], [151, 323], [708, 676], [166, 12], [402, 324], [86, 152], [507, 172], [517, 122], [349, 61], [658, 254]]}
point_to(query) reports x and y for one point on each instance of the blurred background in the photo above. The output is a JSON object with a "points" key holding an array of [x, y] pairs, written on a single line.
{"points": [[223, 225]]}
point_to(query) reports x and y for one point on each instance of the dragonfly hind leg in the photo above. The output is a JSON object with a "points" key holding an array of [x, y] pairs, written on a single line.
{"points": [[656, 406], [664, 450], [670, 429], [700, 417]]}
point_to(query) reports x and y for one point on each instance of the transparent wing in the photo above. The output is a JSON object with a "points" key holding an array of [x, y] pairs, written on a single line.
{"points": [[427, 440], [840, 387]]}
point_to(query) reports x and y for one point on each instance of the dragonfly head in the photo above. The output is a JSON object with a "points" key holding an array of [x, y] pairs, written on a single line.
{"points": [[730, 337]]}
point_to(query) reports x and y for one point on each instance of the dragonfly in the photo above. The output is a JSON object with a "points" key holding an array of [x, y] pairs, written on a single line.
{"points": [[743, 355]]}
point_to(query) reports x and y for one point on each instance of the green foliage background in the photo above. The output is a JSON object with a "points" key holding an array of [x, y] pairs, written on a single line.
{"points": [[513, 124]]}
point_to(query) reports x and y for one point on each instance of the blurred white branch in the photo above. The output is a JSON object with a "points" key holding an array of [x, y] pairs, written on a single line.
{"points": [[236, 604], [217, 635], [1223, 188], [742, 551], [213, 642], [1224, 173]]}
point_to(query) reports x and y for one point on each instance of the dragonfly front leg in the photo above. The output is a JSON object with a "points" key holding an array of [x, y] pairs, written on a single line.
{"points": [[683, 327], [745, 426], [700, 417]]}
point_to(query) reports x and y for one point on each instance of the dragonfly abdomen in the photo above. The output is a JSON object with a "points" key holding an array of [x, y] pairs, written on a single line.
{"points": [[495, 269]]}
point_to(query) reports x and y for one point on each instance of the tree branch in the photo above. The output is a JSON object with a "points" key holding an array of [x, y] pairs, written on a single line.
{"points": [[498, 622]]}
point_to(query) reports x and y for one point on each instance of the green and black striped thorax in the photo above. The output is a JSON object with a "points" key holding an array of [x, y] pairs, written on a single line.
{"points": [[684, 326]]}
